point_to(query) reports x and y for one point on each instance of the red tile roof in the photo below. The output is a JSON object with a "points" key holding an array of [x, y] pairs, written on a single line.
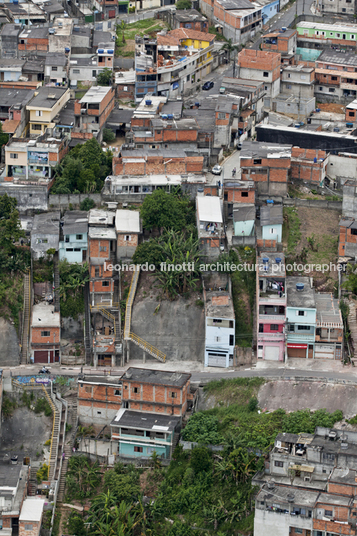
{"points": [[168, 40], [185, 33]]}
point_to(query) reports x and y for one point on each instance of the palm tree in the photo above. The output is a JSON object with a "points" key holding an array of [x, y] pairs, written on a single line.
{"points": [[231, 48], [122, 27]]}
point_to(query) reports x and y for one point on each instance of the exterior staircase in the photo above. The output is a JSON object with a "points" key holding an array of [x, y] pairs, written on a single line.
{"points": [[128, 335], [26, 322], [72, 419], [56, 299], [32, 484], [87, 327], [54, 436], [352, 326]]}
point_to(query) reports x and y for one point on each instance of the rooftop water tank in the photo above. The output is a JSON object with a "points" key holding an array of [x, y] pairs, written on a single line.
{"points": [[148, 102], [349, 125], [315, 160], [111, 51], [300, 287], [336, 129], [170, 117], [67, 50], [265, 260], [278, 260], [100, 50], [318, 110], [270, 201]]}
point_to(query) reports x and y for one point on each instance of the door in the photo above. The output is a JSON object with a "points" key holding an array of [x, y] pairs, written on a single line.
{"points": [[296, 352], [41, 356], [272, 353], [343, 36], [111, 13], [324, 351], [216, 360]]}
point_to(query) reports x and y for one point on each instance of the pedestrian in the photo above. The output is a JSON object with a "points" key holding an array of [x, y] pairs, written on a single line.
{"points": [[63, 456]]}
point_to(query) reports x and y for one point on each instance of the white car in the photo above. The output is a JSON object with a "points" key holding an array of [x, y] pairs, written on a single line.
{"points": [[217, 170]]}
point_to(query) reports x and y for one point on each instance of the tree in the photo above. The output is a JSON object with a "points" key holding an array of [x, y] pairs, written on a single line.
{"points": [[87, 204], [202, 428], [4, 138], [122, 28], [351, 282], [201, 460], [163, 210], [108, 135], [105, 77], [231, 48], [183, 4]]}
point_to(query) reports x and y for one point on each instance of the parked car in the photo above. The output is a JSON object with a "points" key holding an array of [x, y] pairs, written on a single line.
{"points": [[208, 85], [217, 170], [222, 90]]}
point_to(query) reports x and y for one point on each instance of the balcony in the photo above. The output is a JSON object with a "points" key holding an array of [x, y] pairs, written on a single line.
{"points": [[272, 318], [41, 161]]}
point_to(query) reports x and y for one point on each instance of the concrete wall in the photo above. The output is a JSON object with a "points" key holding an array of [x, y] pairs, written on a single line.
{"points": [[28, 197], [9, 344], [72, 329], [64, 200], [178, 329]]}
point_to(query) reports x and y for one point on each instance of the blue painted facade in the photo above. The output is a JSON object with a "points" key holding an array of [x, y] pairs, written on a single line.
{"points": [[270, 10], [273, 231], [134, 446], [73, 247], [244, 227]]}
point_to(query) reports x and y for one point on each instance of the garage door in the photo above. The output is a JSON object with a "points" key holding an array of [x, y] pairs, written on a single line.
{"points": [[324, 351], [111, 13], [216, 360], [41, 356], [297, 350], [271, 353]]}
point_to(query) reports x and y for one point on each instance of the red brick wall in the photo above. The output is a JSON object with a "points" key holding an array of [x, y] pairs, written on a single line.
{"points": [[350, 115], [94, 248], [34, 44], [159, 166], [133, 242], [235, 196], [261, 60], [106, 107], [36, 337], [129, 94], [160, 394]]}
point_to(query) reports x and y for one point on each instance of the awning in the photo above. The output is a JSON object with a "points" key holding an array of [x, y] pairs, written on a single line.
{"points": [[297, 346], [303, 468]]}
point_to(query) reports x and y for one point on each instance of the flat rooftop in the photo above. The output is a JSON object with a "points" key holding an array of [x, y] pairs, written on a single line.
{"points": [[9, 474], [219, 304], [145, 421], [47, 97], [268, 265], [328, 310], [158, 377], [99, 380], [15, 97], [46, 223], [271, 214], [209, 209], [100, 217], [243, 212], [32, 509], [44, 315], [95, 94], [127, 221], [102, 232], [340, 58], [300, 298], [156, 180], [75, 221], [251, 149], [329, 27], [300, 497]]}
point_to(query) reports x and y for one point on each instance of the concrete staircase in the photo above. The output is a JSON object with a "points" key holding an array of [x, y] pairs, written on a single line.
{"points": [[56, 299], [87, 327], [72, 419], [26, 322], [352, 326], [32, 484], [57, 413], [128, 335]]}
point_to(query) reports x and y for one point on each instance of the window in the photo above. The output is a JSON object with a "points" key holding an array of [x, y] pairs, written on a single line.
{"points": [[138, 449], [343, 10], [265, 88], [127, 238], [188, 78], [338, 35], [105, 283], [36, 127], [94, 74], [135, 389], [103, 248], [99, 412], [28, 526], [54, 68], [96, 272], [303, 328], [88, 389], [79, 237], [265, 74], [351, 114], [231, 340], [38, 113], [117, 392], [291, 328], [45, 333], [76, 71], [69, 249], [320, 88], [301, 313], [333, 77], [77, 249], [353, 231], [66, 239], [289, 75], [328, 513], [278, 464], [221, 115], [173, 394], [288, 86], [332, 90], [297, 531], [244, 194], [274, 327], [14, 155], [273, 231], [257, 161]]}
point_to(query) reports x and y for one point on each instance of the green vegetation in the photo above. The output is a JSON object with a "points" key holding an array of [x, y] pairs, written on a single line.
{"points": [[291, 229], [325, 250], [4, 138], [42, 473], [27, 399], [230, 48], [219, 36], [42, 405], [42, 270], [203, 428], [105, 77], [183, 4], [162, 210], [82, 479], [127, 32], [73, 278], [83, 170], [14, 260], [108, 135], [8, 406], [87, 204]]}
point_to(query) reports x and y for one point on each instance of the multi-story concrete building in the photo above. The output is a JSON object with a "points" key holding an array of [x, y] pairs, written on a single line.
{"points": [[324, 35], [264, 67], [342, 7], [238, 20], [32, 41], [56, 68], [219, 321], [92, 111], [13, 491], [128, 229], [210, 228], [190, 19], [309, 165], [336, 76], [281, 41], [267, 165], [44, 233], [329, 328], [44, 107], [271, 306], [271, 222], [45, 334], [9, 38], [298, 80], [348, 236], [73, 242], [300, 317]]}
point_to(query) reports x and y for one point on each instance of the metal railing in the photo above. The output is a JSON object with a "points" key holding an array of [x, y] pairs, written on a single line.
{"points": [[129, 302], [148, 347]]}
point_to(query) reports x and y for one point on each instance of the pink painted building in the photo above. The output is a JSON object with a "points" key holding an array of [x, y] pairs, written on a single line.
{"points": [[271, 306]]}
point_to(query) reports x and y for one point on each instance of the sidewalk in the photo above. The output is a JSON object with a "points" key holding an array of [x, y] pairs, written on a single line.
{"points": [[322, 365]]}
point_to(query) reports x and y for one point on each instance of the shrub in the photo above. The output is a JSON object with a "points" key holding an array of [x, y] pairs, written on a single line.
{"points": [[108, 135], [42, 473], [87, 204]]}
